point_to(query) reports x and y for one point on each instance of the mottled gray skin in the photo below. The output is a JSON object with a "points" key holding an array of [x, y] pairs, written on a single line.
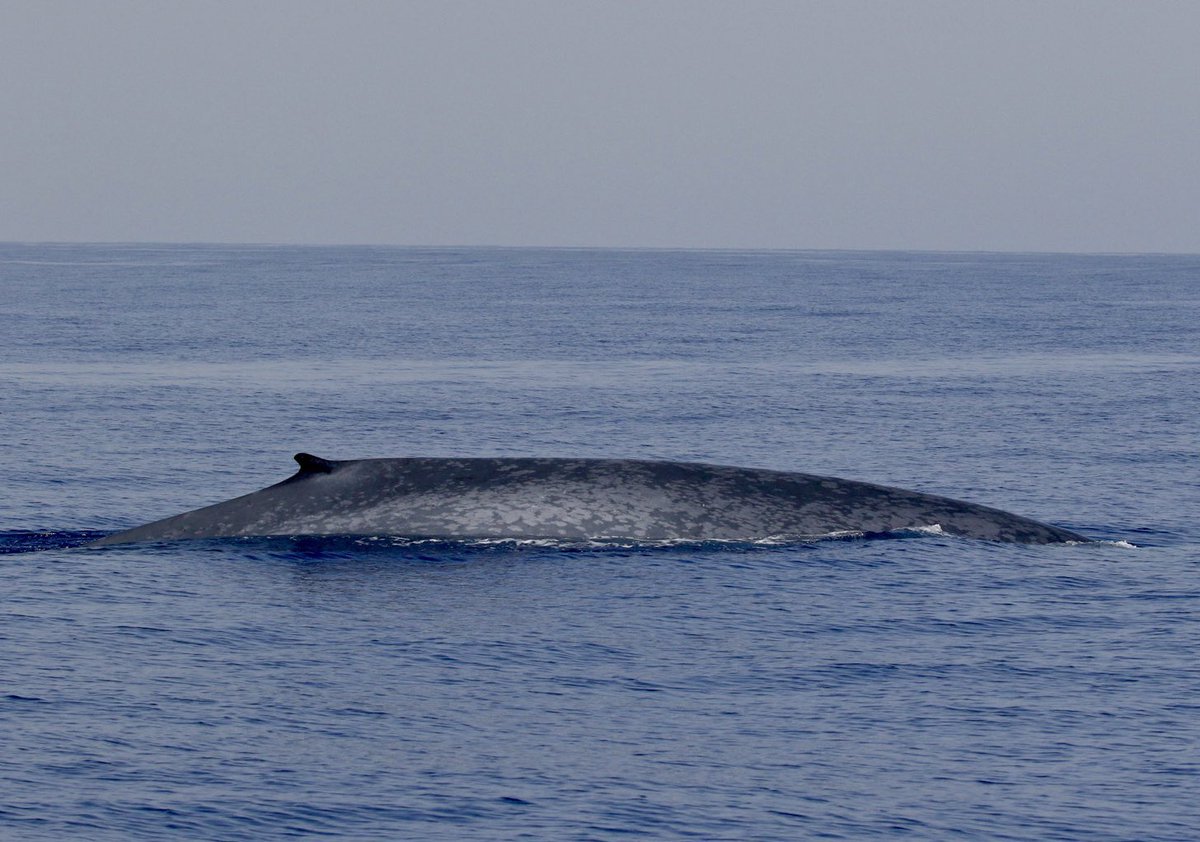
{"points": [[579, 499]]}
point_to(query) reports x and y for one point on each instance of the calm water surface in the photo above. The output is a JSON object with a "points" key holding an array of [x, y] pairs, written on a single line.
{"points": [[924, 687]]}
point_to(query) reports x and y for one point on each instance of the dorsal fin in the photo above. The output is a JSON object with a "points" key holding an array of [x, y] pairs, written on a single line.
{"points": [[310, 464]]}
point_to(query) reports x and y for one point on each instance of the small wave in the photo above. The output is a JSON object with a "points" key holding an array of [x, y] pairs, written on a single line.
{"points": [[915, 531], [347, 545], [323, 545], [627, 543], [933, 529], [25, 541]]}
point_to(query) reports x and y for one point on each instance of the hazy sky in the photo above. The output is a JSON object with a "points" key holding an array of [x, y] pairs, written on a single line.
{"points": [[998, 125]]}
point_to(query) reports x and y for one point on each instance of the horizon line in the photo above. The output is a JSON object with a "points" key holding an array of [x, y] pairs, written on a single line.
{"points": [[498, 246]]}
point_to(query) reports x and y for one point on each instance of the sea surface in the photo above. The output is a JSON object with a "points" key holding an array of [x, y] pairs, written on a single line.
{"points": [[916, 687]]}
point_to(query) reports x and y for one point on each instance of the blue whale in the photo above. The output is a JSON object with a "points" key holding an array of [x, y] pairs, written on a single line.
{"points": [[580, 500]]}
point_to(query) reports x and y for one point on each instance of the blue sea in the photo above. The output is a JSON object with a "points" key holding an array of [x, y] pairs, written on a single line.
{"points": [[917, 687]]}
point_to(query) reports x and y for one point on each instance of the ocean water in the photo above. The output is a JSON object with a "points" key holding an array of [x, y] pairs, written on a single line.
{"points": [[921, 687]]}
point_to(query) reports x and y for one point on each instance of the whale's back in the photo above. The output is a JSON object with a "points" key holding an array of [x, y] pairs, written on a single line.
{"points": [[579, 499]]}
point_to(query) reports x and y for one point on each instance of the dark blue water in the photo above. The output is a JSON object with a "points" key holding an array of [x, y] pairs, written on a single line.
{"points": [[923, 687]]}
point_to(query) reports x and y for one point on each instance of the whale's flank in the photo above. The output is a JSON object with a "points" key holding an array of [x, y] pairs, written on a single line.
{"points": [[579, 499]]}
